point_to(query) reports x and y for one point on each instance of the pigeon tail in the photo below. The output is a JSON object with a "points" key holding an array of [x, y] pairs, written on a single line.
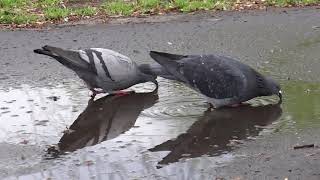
{"points": [[170, 62], [155, 54], [71, 59], [155, 70]]}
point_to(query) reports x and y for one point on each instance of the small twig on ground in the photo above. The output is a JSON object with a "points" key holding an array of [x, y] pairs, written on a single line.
{"points": [[304, 146]]}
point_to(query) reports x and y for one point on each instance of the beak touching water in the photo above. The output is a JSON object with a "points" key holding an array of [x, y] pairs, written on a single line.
{"points": [[280, 96], [157, 85]]}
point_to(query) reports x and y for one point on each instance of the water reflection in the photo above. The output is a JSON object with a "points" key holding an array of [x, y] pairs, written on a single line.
{"points": [[214, 132], [104, 119]]}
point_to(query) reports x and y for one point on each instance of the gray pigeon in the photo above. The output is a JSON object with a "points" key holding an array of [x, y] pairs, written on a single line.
{"points": [[223, 80], [100, 68]]}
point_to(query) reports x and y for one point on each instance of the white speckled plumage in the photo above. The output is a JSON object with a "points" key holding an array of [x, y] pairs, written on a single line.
{"points": [[223, 80]]}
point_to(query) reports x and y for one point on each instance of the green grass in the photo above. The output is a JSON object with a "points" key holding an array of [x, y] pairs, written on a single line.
{"points": [[147, 5], [7, 17], [85, 11], [118, 8], [193, 5], [13, 3], [48, 3], [283, 3], [56, 13], [14, 12], [32, 11], [180, 3], [198, 5]]}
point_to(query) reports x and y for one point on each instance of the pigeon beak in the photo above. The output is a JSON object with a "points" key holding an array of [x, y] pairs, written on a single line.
{"points": [[157, 86], [280, 96]]}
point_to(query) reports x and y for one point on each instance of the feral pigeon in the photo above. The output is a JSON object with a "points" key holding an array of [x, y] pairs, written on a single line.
{"points": [[100, 68], [223, 80]]}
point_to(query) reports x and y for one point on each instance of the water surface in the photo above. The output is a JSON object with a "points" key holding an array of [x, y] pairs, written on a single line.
{"points": [[49, 127]]}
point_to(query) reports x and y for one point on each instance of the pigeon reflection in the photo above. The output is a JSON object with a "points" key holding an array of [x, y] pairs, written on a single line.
{"points": [[213, 133], [104, 119]]}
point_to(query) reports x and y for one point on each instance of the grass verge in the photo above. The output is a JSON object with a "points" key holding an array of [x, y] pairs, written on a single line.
{"points": [[285, 3], [37, 12]]}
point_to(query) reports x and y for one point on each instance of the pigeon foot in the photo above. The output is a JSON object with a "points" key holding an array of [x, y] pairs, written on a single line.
{"points": [[235, 105], [211, 107], [94, 92]]}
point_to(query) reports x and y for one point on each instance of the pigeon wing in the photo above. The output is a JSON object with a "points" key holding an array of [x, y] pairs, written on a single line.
{"points": [[112, 65], [213, 76]]}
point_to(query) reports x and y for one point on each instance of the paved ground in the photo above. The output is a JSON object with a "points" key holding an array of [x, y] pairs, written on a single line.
{"points": [[252, 143]]}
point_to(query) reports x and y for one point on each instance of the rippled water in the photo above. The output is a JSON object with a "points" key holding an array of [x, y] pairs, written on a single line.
{"points": [[140, 129], [49, 128], [27, 113]]}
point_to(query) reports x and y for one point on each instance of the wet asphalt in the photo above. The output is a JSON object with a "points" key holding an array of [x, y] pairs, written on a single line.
{"points": [[50, 129]]}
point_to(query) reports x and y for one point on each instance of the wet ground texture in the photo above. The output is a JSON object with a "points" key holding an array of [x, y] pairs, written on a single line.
{"points": [[49, 127]]}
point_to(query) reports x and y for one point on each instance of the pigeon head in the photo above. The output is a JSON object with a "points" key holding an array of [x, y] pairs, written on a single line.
{"points": [[270, 87]]}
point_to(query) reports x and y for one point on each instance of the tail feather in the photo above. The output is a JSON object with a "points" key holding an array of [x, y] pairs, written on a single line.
{"points": [[156, 54], [170, 62], [71, 59], [164, 59], [156, 70]]}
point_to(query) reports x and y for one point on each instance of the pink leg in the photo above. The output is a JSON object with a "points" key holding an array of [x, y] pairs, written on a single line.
{"points": [[122, 93]]}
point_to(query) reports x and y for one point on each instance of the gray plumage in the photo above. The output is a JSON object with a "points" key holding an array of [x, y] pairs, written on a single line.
{"points": [[223, 80], [156, 69], [100, 68]]}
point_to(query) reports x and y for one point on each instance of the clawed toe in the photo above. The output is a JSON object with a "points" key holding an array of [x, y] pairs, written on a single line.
{"points": [[95, 91], [210, 107]]}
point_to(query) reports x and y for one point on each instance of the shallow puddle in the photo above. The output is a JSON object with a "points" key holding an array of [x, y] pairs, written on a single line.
{"points": [[50, 129], [142, 133]]}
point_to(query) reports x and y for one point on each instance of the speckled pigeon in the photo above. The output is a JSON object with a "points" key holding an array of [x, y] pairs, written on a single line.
{"points": [[223, 80], [100, 68]]}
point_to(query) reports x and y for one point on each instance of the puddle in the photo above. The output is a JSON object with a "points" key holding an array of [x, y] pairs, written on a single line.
{"points": [[27, 114], [105, 119], [302, 106], [215, 132], [49, 128], [143, 130]]}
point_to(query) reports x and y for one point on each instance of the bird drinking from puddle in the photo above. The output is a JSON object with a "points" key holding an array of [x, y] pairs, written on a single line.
{"points": [[103, 70], [223, 80]]}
